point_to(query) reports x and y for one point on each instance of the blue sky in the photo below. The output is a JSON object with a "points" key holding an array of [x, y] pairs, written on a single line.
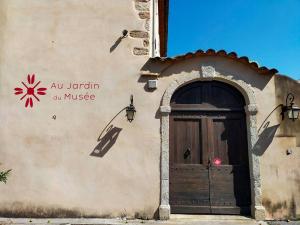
{"points": [[266, 31]]}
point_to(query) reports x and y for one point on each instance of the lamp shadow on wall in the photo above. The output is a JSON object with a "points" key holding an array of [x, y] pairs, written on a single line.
{"points": [[266, 136], [265, 139], [107, 141]]}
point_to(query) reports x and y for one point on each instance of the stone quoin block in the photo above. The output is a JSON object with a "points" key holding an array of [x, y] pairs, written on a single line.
{"points": [[138, 34], [142, 0], [142, 6], [140, 51], [147, 24], [144, 15]]}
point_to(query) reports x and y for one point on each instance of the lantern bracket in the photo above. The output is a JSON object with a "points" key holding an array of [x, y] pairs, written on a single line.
{"points": [[290, 106]]}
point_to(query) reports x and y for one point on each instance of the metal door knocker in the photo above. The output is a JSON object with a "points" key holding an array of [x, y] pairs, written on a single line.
{"points": [[187, 153]]}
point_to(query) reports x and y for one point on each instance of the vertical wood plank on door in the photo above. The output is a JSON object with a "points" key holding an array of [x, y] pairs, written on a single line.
{"points": [[189, 185]]}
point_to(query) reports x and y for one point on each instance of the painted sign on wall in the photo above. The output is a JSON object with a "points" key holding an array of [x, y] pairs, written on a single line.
{"points": [[73, 91], [31, 90]]}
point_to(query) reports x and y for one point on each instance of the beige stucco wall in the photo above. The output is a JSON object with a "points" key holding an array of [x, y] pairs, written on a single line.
{"points": [[281, 173], [56, 171], [52, 170]]}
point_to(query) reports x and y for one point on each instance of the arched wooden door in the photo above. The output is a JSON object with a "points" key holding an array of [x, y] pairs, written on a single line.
{"points": [[209, 171]]}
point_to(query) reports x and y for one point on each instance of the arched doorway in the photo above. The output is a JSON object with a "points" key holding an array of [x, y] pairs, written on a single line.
{"points": [[208, 158]]}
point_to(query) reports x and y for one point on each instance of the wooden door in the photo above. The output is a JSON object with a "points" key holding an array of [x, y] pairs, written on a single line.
{"points": [[189, 180], [201, 137], [229, 181]]}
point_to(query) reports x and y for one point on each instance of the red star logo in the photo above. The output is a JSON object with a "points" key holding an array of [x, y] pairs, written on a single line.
{"points": [[30, 91]]}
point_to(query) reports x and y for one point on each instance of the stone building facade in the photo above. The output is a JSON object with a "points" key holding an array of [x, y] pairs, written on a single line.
{"points": [[68, 69]]}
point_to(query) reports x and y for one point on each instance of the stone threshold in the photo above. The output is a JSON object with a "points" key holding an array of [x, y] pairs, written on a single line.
{"points": [[175, 219], [209, 217]]}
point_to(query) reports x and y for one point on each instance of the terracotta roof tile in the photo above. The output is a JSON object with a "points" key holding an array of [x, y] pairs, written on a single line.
{"points": [[223, 53]]}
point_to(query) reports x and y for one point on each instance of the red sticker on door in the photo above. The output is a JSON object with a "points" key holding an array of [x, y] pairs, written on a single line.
{"points": [[217, 161]]}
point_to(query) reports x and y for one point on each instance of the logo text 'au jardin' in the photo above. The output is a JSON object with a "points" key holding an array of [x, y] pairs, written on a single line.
{"points": [[30, 91]]}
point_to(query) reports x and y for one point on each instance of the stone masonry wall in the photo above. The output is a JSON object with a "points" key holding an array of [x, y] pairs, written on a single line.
{"points": [[143, 9]]}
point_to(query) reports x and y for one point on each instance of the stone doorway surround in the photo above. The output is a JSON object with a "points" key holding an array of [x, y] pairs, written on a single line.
{"points": [[207, 73]]}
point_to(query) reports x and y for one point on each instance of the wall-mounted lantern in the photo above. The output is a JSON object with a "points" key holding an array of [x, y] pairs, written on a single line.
{"points": [[290, 108], [130, 110]]}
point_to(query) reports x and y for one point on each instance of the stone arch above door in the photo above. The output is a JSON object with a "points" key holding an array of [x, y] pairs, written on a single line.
{"points": [[257, 210]]}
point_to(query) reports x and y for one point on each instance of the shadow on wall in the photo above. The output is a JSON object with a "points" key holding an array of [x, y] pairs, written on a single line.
{"points": [[115, 45], [118, 41], [265, 139], [266, 136], [107, 141]]}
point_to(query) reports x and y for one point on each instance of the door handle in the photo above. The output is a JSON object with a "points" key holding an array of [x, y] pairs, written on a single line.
{"points": [[208, 163], [187, 153]]}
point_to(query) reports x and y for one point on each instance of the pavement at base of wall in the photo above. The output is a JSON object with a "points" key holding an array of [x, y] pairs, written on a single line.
{"points": [[283, 222], [175, 220]]}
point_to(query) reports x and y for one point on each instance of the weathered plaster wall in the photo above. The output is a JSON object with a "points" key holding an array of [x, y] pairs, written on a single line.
{"points": [[281, 186], [53, 173]]}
